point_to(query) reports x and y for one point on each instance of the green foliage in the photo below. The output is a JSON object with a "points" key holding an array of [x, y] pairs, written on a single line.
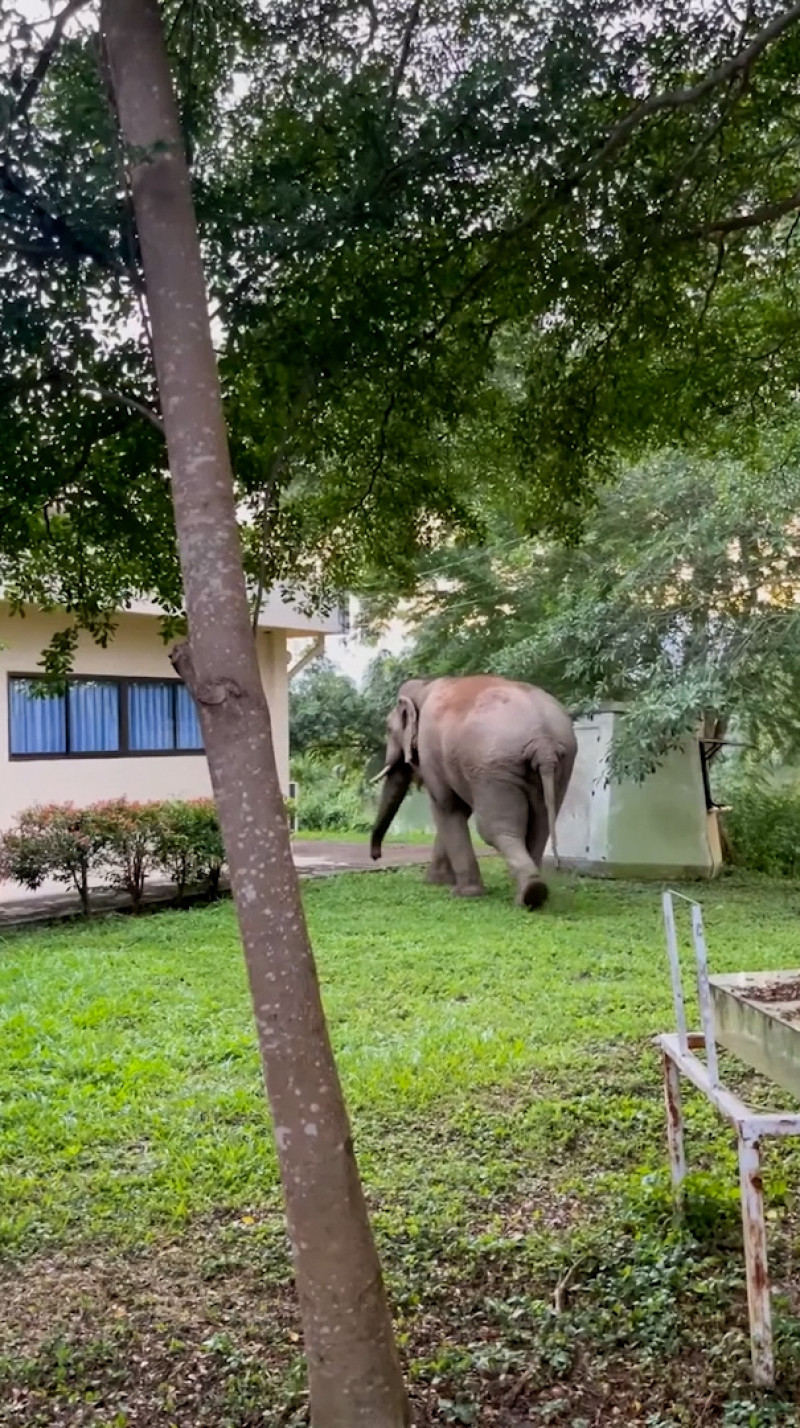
{"points": [[762, 825], [508, 1113], [680, 600], [329, 715], [383, 678], [326, 712], [416, 223], [332, 797]]}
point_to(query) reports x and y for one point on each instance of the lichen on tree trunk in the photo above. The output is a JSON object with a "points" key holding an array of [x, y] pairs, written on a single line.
{"points": [[354, 1373]]}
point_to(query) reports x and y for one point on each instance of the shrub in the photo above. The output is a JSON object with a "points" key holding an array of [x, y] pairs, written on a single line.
{"points": [[762, 826], [118, 842], [188, 845], [56, 841], [173, 848], [209, 845], [130, 831], [331, 797]]}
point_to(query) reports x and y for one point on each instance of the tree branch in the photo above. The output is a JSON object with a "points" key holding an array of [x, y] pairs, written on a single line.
{"points": [[380, 456], [670, 99], [737, 90], [46, 55], [715, 276], [131, 403], [63, 241], [405, 51], [737, 66], [756, 218], [57, 377]]}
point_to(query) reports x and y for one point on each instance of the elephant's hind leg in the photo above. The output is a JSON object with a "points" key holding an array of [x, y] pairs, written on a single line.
{"points": [[501, 816], [440, 869]]}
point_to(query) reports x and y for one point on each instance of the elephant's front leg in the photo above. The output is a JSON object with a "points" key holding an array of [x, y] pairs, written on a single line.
{"points": [[440, 869], [452, 831]]}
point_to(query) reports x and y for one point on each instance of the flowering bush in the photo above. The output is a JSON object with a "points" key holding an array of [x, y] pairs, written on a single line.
{"points": [[56, 841], [130, 831], [116, 842]]}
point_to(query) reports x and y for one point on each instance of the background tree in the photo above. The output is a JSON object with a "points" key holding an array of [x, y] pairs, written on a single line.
{"points": [[330, 715], [394, 208], [683, 599], [326, 712]]}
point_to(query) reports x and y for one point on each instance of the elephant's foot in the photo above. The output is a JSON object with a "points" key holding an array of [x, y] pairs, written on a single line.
{"points": [[441, 876], [534, 894], [469, 890]]}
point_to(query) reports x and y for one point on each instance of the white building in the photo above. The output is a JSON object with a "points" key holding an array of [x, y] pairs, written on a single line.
{"points": [[126, 726]]}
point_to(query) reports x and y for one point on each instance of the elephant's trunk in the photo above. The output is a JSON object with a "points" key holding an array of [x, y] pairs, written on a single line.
{"points": [[395, 787]]}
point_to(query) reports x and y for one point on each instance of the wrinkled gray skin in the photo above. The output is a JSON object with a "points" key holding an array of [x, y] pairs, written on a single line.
{"points": [[484, 745]]}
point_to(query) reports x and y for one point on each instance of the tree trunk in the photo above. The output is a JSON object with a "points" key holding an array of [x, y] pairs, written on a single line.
{"points": [[354, 1373]]}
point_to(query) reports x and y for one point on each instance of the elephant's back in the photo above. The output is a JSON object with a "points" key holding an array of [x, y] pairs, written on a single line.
{"points": [[497, 719], [484, 695]]}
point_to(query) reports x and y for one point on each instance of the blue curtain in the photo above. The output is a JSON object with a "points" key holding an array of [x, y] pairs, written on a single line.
{"points": [[150, 721], [36, 726], [93, 718], [189, 735]]}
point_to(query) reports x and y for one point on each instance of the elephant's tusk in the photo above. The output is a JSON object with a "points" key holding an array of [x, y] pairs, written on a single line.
{"points": [[384, 771]]}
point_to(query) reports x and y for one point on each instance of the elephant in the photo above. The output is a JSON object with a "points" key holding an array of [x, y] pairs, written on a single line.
{"points": [[484, 745]]}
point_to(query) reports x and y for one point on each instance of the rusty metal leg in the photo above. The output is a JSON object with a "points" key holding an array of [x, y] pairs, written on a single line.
{"points": [[755, 1250], [672, 1100]]}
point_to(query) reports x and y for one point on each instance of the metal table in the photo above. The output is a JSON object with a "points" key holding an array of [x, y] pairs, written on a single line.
{"points": [[757, 1016]]}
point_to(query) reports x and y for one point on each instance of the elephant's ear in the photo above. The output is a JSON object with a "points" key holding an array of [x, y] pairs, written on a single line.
{"points": [[409, 718]]}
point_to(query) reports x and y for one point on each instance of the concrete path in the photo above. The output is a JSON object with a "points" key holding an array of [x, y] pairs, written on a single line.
{"points": [[52, 902]]}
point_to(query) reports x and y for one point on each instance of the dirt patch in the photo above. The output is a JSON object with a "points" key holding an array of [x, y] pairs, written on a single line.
{"points": [[204, 1332], [49, 1299], [777, 991]]}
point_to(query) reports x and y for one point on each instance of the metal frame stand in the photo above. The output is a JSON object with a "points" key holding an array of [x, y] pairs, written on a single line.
{"points": [[678, 1058]]}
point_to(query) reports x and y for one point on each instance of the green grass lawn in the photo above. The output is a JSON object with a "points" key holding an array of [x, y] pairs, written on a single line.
{"points": [[508, 1118]]}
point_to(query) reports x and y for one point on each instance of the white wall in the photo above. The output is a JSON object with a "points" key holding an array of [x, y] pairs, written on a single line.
{"points": [[137, 649], [654, 829]]}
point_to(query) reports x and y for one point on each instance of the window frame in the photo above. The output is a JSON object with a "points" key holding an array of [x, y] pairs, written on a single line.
{"points": [[123, 682]]}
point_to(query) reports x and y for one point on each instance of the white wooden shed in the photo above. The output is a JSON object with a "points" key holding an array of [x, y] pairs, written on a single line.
{"points": [[663, 827]]}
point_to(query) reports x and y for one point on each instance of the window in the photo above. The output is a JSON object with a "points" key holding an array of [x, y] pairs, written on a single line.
{"points": [[97, 718], [150, 717], [35, 726], [83, 720], [92, 718], [187, 722], [162, 716]]}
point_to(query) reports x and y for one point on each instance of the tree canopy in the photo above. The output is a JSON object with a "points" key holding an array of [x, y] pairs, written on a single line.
{"points": [[683, 599], [329, 714], [572, 222], [326, 712]]}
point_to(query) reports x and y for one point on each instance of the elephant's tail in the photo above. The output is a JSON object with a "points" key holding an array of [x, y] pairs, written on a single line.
{"points": [[547, 773]]}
